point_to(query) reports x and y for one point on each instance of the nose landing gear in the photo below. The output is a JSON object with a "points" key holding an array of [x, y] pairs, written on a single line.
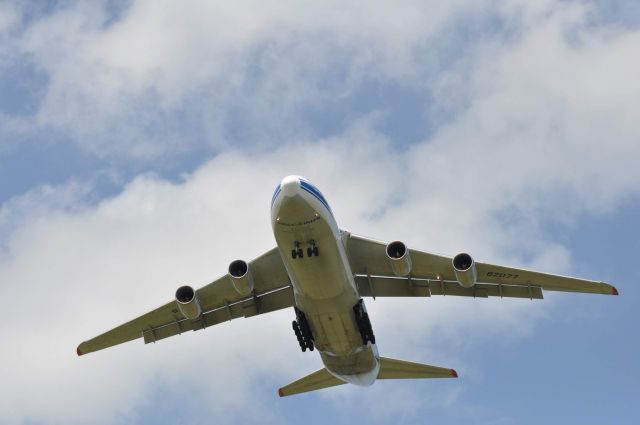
{"points": [[312, 249], [297, 252]]}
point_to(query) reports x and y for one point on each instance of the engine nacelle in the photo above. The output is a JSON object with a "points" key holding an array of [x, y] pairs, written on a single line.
{"points": [[241, 277], [399, 257], [465, 269], [188, 303]]}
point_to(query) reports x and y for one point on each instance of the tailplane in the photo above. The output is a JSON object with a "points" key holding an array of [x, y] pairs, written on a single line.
{"points": [[389, 369], [400, 369], [316, 381]]}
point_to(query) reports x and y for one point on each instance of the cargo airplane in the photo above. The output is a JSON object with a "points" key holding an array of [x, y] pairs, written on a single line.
{"points": [[324, 273]]}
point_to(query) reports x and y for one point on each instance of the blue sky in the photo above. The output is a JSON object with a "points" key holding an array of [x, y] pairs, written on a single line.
{"points": [[140, 142]]}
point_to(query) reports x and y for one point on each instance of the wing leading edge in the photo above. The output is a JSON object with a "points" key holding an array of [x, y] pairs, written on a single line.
{"points": [[220, 302]]}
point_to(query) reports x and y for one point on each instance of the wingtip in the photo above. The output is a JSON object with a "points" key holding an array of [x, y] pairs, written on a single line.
{"points": [[281, 392], [454, 374], [614, 291]]}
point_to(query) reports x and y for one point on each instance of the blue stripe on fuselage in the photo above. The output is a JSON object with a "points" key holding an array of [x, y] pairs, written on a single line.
{"points": [[275, 195], [309, 188], [316, 193]]}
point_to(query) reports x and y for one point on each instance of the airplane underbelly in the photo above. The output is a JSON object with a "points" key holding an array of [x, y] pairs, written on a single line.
{"points": [[335, 332], [318, 276], [324, 290], [322, 277], [343, 353]]}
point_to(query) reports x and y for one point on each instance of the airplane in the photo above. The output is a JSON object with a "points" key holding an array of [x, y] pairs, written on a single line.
{"points": [[324, 273]]}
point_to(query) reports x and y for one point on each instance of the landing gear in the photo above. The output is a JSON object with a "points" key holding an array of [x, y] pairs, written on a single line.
{"points": [[364, 324], [303, 331], [312, 249], [297, 252], [296, 330]]}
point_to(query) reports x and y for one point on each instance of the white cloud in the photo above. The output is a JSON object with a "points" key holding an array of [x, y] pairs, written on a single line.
{"points": [[165, 78], [74, 272], [132, 86]]}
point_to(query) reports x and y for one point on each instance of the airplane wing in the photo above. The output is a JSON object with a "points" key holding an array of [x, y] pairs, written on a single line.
{"points": [[433, 274], [219, 300]]}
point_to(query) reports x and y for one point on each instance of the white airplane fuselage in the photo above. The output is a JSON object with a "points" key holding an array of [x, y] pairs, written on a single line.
{"points": [[323, 284]]}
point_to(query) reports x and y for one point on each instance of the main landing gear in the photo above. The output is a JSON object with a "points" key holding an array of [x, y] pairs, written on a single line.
{"points": [[312, 250], [364, 325], [303, 331]]}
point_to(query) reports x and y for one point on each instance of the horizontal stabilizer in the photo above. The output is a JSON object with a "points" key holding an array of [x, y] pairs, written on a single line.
{"points": [[316, 381], [400, 369]]}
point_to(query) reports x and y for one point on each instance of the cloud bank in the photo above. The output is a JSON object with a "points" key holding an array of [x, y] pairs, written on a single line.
{"points": [[153, 78]]}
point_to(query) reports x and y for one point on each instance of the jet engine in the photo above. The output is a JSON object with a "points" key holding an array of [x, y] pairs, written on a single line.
{"points": [[398, 255], [465, 269], [241, 277], [188, 303]]}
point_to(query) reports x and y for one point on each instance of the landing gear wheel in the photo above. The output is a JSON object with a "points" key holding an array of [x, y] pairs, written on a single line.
{"points": [[299, 337], [312, 249], [364, 324], [297, 252], [303, 331]]}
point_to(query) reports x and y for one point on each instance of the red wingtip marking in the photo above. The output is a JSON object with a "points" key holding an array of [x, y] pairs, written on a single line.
{"points": [[78, 351], [614, 291], [280, 392], [454, 374]]}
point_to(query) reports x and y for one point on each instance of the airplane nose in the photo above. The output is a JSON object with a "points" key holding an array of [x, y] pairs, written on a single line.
{"points": [[290, 185]]}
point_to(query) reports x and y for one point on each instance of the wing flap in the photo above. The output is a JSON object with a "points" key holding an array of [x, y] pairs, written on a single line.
{"points": [[384, 286]]}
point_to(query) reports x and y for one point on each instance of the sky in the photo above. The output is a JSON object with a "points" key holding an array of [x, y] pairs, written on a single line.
{"points": [[140, 143]]}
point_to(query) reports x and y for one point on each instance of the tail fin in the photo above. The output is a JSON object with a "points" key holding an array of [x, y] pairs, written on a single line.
{"points": [[316, 381], [400, 369]]}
